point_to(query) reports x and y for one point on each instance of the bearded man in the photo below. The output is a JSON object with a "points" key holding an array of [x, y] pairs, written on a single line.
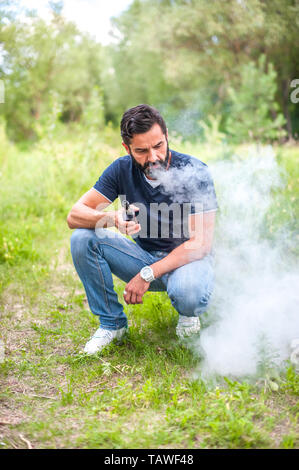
{"points": [[166, 245]]}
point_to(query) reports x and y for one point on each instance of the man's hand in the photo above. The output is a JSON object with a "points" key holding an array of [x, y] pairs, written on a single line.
{"points": [[127, 227], [135, 289]]}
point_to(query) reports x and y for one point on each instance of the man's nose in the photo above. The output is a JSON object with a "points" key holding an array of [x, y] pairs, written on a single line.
{"points": [[152, 156]]}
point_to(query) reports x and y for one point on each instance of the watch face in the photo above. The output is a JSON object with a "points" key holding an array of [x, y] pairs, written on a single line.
{"points": [[147, 273]]}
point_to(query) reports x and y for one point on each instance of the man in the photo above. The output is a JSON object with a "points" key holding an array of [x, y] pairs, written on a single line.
{"points": [[152, 178]]}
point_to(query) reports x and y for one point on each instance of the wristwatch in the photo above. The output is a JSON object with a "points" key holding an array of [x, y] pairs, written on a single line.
{"points": [[147, 274]]}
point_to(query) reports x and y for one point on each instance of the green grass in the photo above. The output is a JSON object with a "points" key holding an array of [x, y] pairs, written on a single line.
{"points": [[142, 393]]}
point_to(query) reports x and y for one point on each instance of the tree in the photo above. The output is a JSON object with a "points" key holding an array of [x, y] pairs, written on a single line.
{"points": [[254, 111], [46, 60], [185, 55]]}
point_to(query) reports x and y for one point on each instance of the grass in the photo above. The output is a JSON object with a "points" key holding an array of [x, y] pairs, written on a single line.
{"points": [[142, 393]]}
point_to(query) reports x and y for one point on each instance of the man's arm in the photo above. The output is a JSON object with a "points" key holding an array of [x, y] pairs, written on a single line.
{"points": [[201, 230], [88, 212]]}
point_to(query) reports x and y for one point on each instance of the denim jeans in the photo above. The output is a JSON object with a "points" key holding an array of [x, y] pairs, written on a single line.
{"points": [[96, 255]]}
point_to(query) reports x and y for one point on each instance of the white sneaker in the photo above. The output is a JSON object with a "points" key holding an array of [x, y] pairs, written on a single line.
{"points": [[102, 338], [187, 326]]}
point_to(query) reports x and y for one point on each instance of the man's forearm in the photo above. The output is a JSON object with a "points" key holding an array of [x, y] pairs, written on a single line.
{"points": [[82, 216], [183, 254]]}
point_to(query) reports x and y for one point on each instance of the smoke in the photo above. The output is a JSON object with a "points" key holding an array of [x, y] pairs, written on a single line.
{"points": [[183, 184], [253, 316]]}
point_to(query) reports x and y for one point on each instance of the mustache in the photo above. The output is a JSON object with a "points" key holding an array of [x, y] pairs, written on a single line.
{"points": [[149, 168], [158, 164]]}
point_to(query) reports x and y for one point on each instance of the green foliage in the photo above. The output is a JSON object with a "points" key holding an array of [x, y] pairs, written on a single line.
{"points": [[13, 250], [254, 114], [288, 441], [67, 396], [195, 61], [53, 71], [188, 59], [212, 132], [93, 113], [266, 355], [292, 383], [5, 145], [38, 188], [267, 371]]}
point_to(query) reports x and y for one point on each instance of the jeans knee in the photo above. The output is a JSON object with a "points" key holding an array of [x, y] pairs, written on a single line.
{"points": [[205, 296], [190, 300], [105, 234], [79, 241]]}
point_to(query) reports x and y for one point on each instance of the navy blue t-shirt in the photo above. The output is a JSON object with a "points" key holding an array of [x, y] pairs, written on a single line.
{"points": [[185, 188]]}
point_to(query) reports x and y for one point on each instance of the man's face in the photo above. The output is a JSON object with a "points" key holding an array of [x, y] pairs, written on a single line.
{"points": [[149, 151]]}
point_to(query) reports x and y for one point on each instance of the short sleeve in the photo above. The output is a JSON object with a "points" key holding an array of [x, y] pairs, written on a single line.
{"points": [[107, 184], [204, 197]]}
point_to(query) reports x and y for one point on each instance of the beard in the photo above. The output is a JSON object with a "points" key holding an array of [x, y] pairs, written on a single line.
{"points": [[153, 170]]}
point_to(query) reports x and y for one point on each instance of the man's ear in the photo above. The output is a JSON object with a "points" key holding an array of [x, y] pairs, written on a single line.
{"points": [[167, 133], [126, 147]]}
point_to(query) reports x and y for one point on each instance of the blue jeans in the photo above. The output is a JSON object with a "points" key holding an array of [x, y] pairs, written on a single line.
{"points": [[97, 255]]}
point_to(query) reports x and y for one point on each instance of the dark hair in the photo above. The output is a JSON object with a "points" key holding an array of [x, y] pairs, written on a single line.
{"points": [[139, 120]]}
